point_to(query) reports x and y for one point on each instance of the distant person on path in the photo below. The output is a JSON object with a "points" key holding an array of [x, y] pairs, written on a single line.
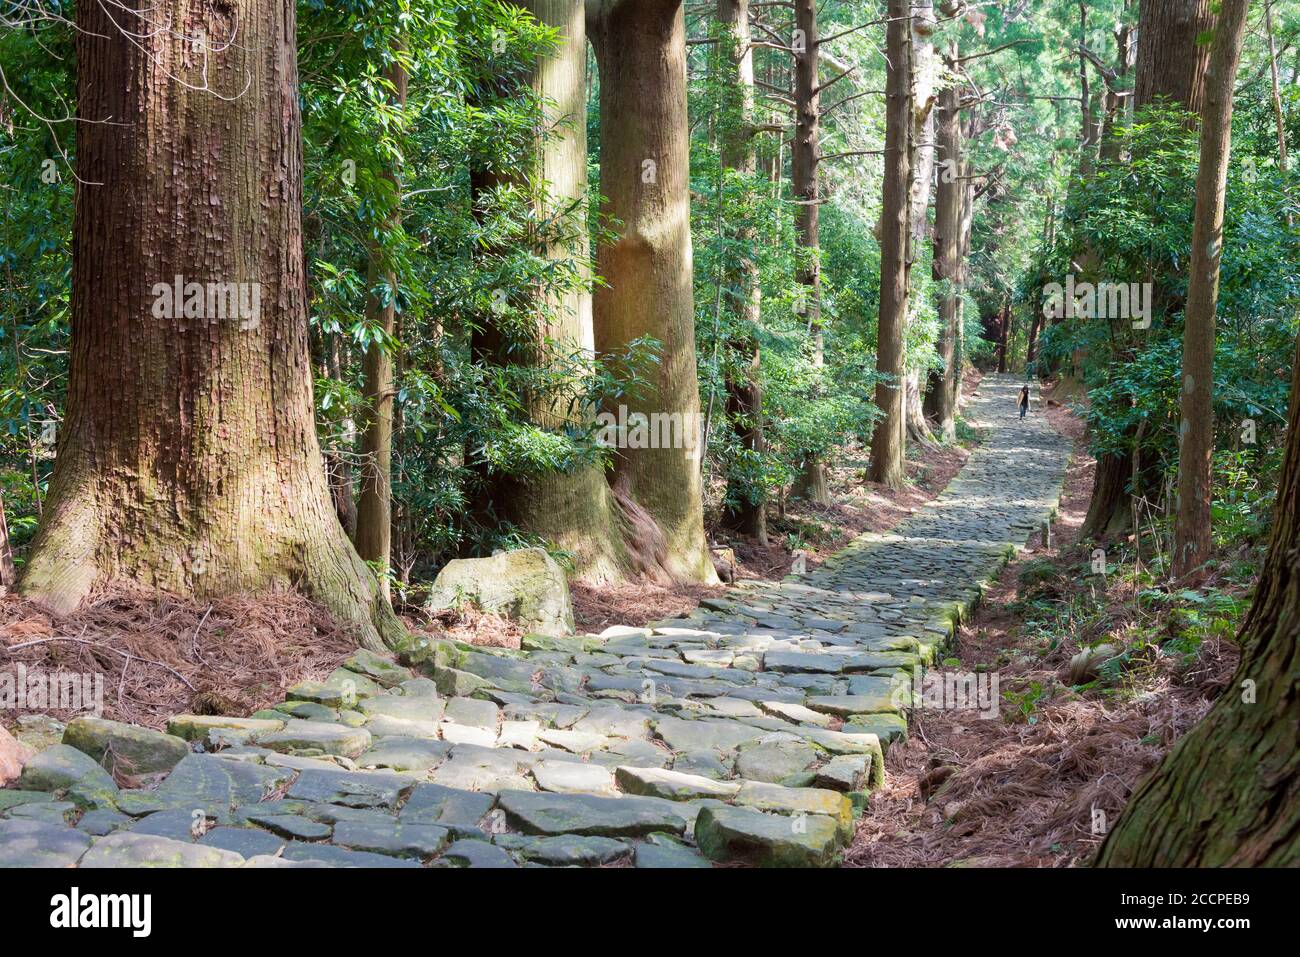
{"points": [[1023, 401]]}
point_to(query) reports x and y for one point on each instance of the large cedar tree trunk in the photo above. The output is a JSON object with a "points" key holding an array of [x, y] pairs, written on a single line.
{"points": [[1170, 63], [887, 442], [573, 510], [188, 461], [1192, 540], [645, 176]]}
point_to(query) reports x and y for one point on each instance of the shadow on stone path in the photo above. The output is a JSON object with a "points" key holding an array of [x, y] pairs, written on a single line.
{"points": [[751, 731]]}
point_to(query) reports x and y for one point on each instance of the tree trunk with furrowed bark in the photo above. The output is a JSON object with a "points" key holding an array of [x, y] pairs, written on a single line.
{"points": [[188, 460], [575, 509], [1192, 533], [645, 177]]}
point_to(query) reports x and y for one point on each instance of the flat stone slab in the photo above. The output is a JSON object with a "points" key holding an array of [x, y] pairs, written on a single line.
{"points": [[248, 842], [358, 789], [127, 748], [801, 663], [669, 856], [797, 801], [198, 727], [775, 760], [566, 850], [767, 840], [796, 713], [317, 736], [574, 777], [705, 735], [844, 706], [672, 785], [405, 754], [390, 836], [333, 856], [62, 768], [125, 849], [540, 813], [471, 712], [38, 844], [474, 853], [422, 708], [212, 784], [448, 807]]}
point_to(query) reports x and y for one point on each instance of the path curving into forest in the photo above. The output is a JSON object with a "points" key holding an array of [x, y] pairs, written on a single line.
{"points": [[751, 731]]}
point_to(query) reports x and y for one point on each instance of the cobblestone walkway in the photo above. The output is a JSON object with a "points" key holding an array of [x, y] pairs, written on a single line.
{"points": [[751, 731]]}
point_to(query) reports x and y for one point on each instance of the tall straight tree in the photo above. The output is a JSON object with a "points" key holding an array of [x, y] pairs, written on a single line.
{"points": [[374, 536], [941, 399], [745, 511], [645, 176], [925, 67], [805, 156], [1169, 72], [1192, 532], [895, 262], [574, 509], [188, 461]]}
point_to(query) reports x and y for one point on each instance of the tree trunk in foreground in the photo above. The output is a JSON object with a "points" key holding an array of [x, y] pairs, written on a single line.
{"points": [[1170, 63], [188, 461], [887, 442], [942, 395], [805, 155], [645, 176], [747, 514], [1228, 794], [574, 510], [374, 535], [1192, 532]]}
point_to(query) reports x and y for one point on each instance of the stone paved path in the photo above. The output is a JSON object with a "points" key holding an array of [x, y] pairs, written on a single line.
{"points": [[752, 730]]}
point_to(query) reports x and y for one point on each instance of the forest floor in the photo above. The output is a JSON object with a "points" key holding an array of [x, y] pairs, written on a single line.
{"points": [[159, 654], [1025, 790]]}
